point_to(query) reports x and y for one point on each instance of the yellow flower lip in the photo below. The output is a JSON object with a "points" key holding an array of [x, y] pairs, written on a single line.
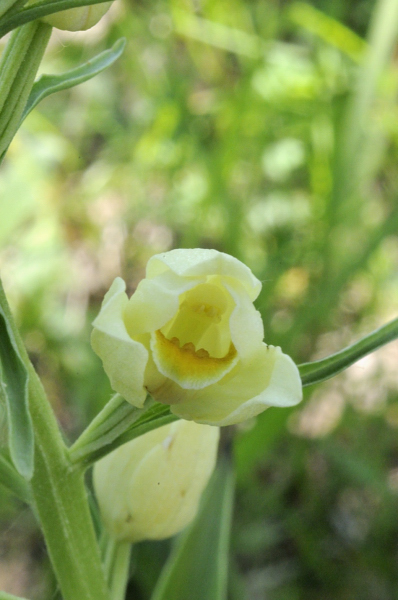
{"points": [[190, 368]]}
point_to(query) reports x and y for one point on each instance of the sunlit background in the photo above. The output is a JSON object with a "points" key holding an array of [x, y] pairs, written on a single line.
{"points": [[268, 130]]}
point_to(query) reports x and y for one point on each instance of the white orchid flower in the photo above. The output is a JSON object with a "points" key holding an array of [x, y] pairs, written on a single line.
{"points": [[191, 337]]}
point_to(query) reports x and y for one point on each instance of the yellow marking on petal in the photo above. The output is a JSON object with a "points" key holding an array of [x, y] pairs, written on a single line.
{"points": [[190, 368], [203, 318], [202, 353]]}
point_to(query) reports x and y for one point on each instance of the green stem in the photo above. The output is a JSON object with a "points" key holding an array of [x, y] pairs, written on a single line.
{"points": [[319, 370], [116, 559], [12, 58], [121, 571], [117, 423], [113, 420], [61, 501], [20, 67], [60, 497]]}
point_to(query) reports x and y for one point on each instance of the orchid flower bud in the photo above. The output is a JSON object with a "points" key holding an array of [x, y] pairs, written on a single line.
{"points": [[150, 487], [191, 337], [77, 19]]}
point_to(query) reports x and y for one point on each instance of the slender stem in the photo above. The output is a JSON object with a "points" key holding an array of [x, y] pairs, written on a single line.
{"points": [[20, 68], [116, 559], [12, 58], [319, 370], [107, 544], [116, 416], [120, 570], [60, 497], [117, 423]]}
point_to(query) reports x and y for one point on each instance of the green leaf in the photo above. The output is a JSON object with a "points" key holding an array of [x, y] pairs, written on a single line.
{"points": [[8, 5], [198, 565], [4, 596], [118, 423], [14, 392], [49, 84], [319, 370], [12, 480]]}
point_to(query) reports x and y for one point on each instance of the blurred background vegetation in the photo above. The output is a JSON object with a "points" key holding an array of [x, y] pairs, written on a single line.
{"points": [[269, 130]]}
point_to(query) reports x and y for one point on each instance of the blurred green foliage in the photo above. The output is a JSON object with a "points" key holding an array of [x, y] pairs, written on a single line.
{"points": [[267, 130]]}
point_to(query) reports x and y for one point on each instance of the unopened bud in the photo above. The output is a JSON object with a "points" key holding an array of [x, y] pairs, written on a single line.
{"points": [[150, 487], [78, 19]]}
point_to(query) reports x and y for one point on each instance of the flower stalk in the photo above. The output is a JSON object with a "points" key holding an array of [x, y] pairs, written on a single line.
{"points": [[18, 68], [116, 559], [117, 424]]}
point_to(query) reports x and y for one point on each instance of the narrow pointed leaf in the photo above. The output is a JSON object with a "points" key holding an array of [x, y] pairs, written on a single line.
{"points": [[4, 596], [319, 370], [49, 84], [198, 566], [12, 480], [14, 393], [8, 5]]}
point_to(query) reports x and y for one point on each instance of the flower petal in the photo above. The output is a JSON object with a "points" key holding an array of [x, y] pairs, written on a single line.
{"points": [[155, 301], [124, 359], [245, 323], [283, 390], [267, 378], [199, 262]]}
